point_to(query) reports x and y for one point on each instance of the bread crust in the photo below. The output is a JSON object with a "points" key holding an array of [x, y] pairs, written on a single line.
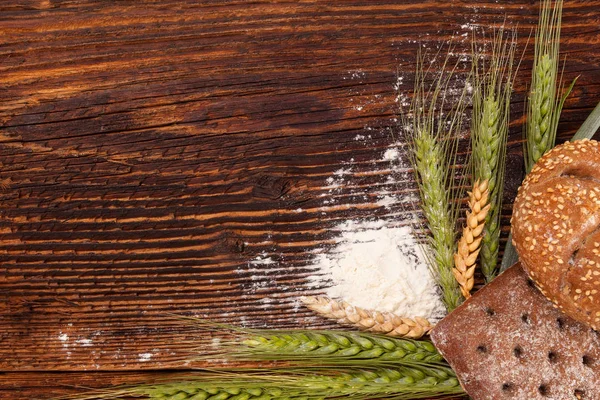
{"points": [[507, 342], [556, 228]]}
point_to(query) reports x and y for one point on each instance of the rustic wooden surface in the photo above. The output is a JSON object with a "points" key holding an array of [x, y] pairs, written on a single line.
{"points": [[153, 154]]}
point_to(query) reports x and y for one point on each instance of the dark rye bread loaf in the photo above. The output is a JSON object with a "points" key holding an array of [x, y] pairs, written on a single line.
{"points": [[555, 228], [509, 342]]}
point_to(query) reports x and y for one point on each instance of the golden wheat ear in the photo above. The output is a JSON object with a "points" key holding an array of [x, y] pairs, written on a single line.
{"points": [[469, 245], [386, 323]]}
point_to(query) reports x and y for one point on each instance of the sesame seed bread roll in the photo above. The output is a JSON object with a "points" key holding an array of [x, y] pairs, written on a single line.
{"points": [[556, 228]]}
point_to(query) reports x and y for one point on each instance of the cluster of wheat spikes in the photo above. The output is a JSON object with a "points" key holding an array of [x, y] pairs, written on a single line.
{"points": [[433, 127], [307, 364], [433, 140], [323, 365], [492, 89]]}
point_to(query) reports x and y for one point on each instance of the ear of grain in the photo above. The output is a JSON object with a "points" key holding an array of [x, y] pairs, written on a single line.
{"points": [[469, 244], [492, 164], [414, 382], [492, 88], [433, 128], [436, 208], [333, 347], [366, 320], [544, 105]]}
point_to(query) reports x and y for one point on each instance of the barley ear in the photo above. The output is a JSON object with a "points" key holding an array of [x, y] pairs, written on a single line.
{"points": [[469, 244]]}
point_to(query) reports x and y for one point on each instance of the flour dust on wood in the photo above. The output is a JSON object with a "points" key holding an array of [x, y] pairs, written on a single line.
{"points": [[380, 267], [378, 263]]}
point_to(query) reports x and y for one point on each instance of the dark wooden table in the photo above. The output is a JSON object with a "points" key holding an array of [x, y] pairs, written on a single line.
{"points": [[151, 151]]}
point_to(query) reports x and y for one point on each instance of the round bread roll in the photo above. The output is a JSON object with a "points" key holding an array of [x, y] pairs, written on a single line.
{"points": [[556, 228]]}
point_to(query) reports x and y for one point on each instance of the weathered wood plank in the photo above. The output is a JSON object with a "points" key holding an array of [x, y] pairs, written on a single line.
{"points": [[152, 153]]}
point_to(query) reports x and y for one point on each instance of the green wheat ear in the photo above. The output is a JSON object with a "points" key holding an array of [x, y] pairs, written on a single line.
{"points": [[433, 128], [400, 383], [544, 104], [492, 89], [333, 348]]}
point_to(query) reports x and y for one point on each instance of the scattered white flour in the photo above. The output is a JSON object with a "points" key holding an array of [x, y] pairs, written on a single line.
{"points": [[356, 74], [391, 154], [378, 267], [262, 259], [386, 201], [145, 357], [342, 171], [84, 342], [399, 81]]}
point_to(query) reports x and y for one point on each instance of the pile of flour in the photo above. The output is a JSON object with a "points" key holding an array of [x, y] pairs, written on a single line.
{"points": [[380, 267]]}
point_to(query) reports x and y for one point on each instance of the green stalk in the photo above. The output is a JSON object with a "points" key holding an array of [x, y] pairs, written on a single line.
{"points": [[492, 90], [590, 125], [433, 132]]}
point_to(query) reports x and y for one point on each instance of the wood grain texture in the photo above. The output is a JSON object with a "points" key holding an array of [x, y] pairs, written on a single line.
{"points": [[155, 154]]}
